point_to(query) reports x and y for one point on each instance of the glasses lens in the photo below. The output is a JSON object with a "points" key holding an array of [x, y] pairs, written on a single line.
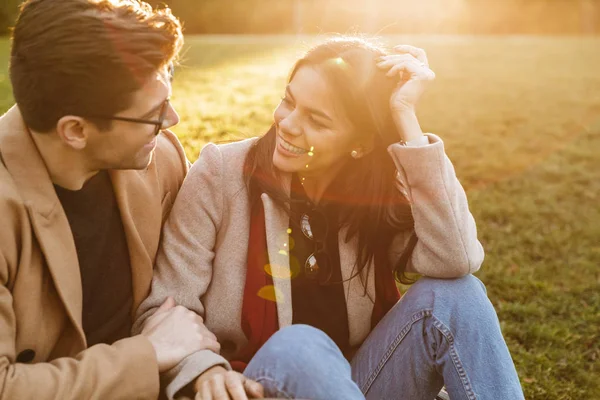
{"points": [[305, 226], [314, 224], [317, 266], [311, 267]]}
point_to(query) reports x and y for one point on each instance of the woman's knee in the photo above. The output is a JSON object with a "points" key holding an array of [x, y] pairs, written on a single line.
{"points": [[299, 344], [467, 284], [297, 356], [465, 296], [298, 339]]}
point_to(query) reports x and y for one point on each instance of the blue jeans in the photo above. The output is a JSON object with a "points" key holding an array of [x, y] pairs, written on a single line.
{"points": [[442, 332]]}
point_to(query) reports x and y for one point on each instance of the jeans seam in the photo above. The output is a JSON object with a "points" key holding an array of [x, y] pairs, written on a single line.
{"points": [[275, 384], [416, 317], [455, 358]]}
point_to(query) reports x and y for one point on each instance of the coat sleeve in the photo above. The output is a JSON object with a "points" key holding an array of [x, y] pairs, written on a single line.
{"points": [[447, 245], [183, 268], [125, 370]]}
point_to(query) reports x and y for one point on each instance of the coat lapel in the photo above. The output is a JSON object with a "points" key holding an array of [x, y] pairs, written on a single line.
{"points": [[140, 210], [359, 305], [48, 219], [276, 225]]}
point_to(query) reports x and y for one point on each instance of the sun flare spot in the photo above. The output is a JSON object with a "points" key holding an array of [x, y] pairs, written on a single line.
{"points": [[278, 271], [270, 293]]}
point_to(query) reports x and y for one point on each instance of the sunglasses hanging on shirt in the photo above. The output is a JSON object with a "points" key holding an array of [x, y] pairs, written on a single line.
{"points": [[314, 226]]}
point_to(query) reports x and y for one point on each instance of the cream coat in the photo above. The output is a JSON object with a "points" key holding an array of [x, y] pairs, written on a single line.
{"points": [[202, 259]]}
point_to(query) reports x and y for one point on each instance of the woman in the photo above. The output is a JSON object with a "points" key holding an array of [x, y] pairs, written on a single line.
{"points": [[288, 246]]}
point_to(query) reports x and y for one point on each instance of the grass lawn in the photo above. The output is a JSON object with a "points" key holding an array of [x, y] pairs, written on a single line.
{"points": [[521, 120]]}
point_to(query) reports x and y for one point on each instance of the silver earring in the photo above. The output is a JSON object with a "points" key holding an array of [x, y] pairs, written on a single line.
{"points": [[354, 154]]}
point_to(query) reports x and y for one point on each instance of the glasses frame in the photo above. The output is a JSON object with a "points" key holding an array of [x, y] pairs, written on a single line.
{"points": [[156, 122]]}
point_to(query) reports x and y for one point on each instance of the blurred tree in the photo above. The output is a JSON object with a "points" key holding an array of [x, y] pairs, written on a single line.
{"points": [[590, 16], [375, 16]]}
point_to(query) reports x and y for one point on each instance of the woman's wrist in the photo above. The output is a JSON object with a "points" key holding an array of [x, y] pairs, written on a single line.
{"points": [[407, 124]]}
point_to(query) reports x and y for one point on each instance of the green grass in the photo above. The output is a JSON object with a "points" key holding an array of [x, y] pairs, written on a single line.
{"points": [[521, 120]]}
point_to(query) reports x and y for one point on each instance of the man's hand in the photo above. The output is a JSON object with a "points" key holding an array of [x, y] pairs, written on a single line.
{"points": [[176, 332], [217, 383]]}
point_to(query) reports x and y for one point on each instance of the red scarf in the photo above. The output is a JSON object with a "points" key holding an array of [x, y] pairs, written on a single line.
{"points": [[259, 315]]}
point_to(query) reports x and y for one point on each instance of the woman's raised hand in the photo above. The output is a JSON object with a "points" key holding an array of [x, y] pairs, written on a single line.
{"points": [[410, 65]]}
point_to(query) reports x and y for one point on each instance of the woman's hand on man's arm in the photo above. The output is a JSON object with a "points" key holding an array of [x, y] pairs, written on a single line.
{"points": [[217, 383]]}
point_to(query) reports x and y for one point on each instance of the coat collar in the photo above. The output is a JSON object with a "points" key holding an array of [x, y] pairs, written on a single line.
{"points": [[358, 304], [136, 200], [276, 226]]}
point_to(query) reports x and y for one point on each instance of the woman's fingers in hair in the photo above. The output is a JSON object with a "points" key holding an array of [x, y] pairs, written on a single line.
{"points": [[416, 52], [392, 59], [415, 71], [406, 66]]}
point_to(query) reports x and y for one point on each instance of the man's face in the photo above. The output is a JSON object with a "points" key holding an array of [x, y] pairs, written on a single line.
{"points": [[130, 145]]}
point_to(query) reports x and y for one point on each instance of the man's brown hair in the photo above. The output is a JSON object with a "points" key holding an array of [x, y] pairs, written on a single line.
{"points": [[86, 57]]}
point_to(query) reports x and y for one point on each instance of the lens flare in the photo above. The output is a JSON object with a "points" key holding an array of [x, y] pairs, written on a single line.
{"points": [[271, 293]]}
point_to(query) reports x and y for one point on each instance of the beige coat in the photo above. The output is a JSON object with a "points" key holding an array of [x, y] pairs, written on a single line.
{"points": [[43, 351], [202, 259]]}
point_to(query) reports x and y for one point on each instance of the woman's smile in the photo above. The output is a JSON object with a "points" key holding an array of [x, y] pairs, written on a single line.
{"points": [[289, 150]]}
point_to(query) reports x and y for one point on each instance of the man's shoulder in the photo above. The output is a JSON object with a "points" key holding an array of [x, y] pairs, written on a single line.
{"points": [[169, 161], [169, 151]]}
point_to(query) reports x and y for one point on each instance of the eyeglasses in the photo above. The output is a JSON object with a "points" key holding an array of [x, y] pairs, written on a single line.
{"points": [[313, 225], [158, 123]]}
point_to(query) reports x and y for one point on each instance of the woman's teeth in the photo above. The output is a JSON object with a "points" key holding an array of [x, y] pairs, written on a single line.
{"points": [[291, 148]]}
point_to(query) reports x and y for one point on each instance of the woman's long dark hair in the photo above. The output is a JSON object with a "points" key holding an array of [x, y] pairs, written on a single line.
{"points": [[374, 209]]}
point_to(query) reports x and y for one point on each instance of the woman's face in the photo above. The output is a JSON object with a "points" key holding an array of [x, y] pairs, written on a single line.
{"points": [[312, 137]]}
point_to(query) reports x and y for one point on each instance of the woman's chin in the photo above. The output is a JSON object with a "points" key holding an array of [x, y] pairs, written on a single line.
{"points": [[285, 165]]}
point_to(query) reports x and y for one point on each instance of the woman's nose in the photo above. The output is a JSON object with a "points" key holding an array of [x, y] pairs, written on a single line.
{"points": [[289, 126]]}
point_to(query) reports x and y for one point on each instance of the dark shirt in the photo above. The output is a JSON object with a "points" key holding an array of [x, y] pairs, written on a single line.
{"points": [[318, 301], [103, 255]]}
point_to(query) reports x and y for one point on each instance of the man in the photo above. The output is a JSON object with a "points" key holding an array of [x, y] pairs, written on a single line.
{"points": [[88, 174]]}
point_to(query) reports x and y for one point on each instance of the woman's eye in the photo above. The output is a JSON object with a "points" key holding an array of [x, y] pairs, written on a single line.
{"points": [[317, 123]]}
